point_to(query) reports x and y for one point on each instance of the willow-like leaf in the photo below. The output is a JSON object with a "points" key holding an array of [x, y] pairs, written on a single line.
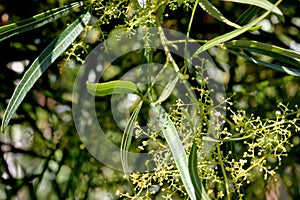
{"points": [[127, 137], [279, 53], [264, 46], [193, 169], [264, 4], [36, 21], [214, 12], [168, 89], [175, 144], [288, 70], [232, 34], [112, 87], [42, 62], [247, 16]]}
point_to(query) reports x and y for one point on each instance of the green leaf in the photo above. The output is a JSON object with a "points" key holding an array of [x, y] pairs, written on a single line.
{"points": [[36, 21], [232, 34], [193, 169], [248, 15], [127, 137], [281, 54], [168, 89], [264, 4], [113, 87], [42, 62], [214, 12], [175, 144], [291, 71]]}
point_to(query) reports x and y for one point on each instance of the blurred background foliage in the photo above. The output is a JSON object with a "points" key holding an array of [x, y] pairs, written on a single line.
{"points": [[42, 156]]}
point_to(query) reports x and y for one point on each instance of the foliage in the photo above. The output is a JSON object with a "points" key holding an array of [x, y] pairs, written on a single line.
{"points": [[191, 160]]}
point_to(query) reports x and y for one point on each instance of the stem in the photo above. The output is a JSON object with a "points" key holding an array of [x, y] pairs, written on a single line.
{"points": [[188, 35], [164, 41], [223, 171], [186, 40]]}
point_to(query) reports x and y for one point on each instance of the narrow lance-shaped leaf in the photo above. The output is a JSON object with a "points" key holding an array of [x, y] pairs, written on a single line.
{"points": [[291, 71], [113, 87], [175, 144], [193, 169], [284, 55], [42, 62], [214, 12], [232, 34], [247, 16], [168, 89], [264, 4], [36, 21], [127, 137]]}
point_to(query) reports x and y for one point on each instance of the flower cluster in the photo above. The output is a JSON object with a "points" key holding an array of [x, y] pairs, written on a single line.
{"points": [[257, 149]]}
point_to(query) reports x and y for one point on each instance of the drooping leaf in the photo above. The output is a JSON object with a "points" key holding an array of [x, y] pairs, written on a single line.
{"points": [[232, 34], [168, 89], [42, 62], [288, 70], [113, 87], [264, 4], [127, 137], [281, 54], [36, 21], [248, 15], [171, 135], [193, 169], [214, 12]]}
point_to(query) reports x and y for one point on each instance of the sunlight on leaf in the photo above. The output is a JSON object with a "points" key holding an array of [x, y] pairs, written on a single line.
{"points": [[291, 71], [113, 87], [230, 35], [262, 4], [214, 12], [127, 137], [248, 15], [36, 21], [42, 62], [168, 89], [175, 144], [279, 53]]}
